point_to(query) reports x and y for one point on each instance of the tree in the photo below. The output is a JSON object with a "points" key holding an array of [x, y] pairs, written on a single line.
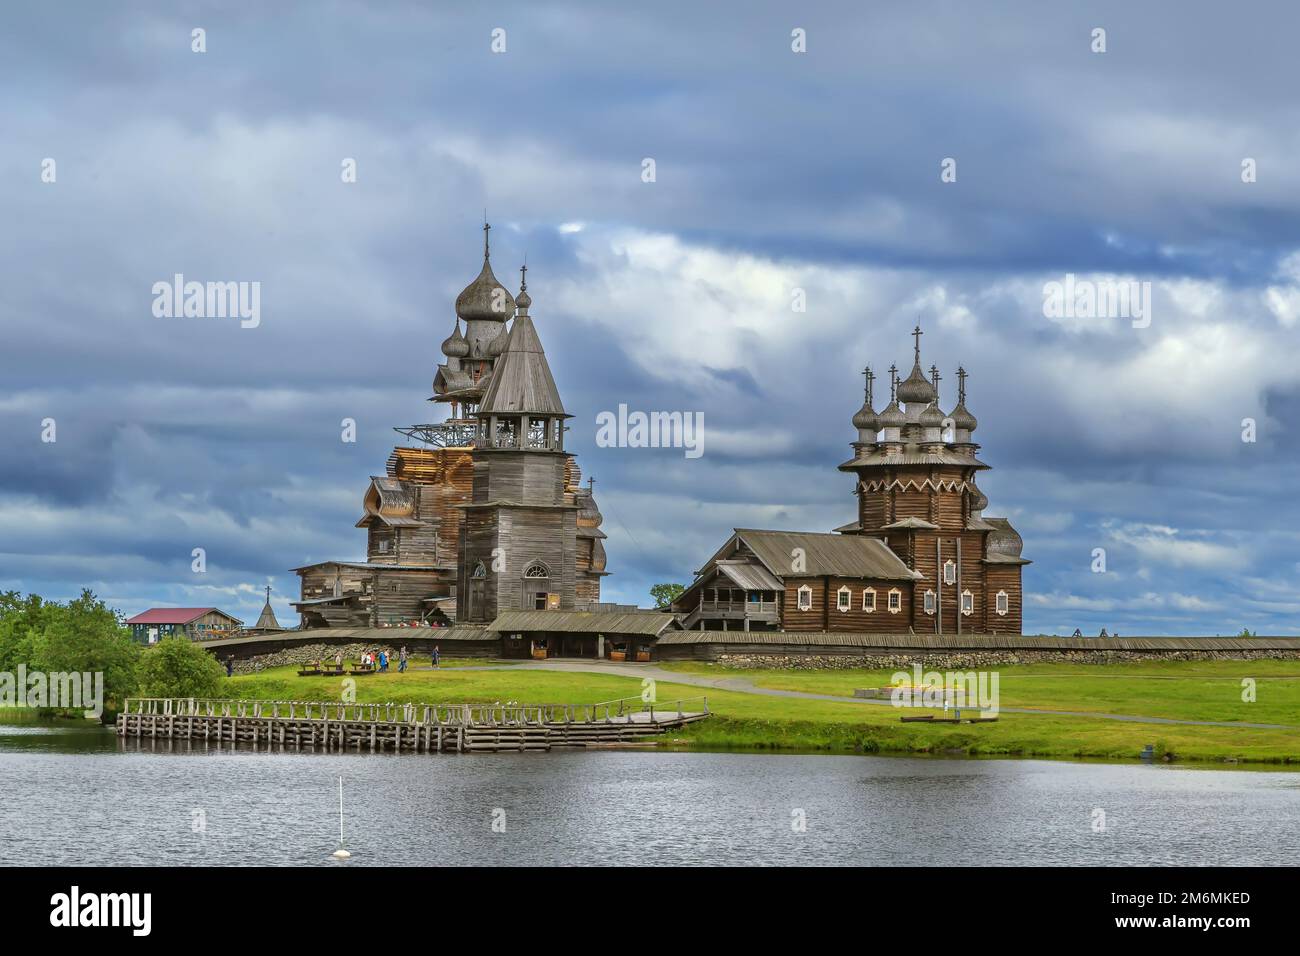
{"points": [[666, 594], [177, 667], [82, 636]]}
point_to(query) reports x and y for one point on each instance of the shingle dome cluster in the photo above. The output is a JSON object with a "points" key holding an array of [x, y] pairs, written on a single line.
{"points": [[908, 429]]}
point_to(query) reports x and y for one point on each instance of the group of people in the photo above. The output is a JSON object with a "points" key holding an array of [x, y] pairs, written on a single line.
{"points": [[379, 660], [370, 660]]}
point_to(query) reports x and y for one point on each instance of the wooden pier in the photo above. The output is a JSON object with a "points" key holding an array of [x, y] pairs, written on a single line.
{"points": [[420, 728]]}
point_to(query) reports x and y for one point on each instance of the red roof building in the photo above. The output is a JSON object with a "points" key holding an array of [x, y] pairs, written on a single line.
{"points": [[196, 623]]}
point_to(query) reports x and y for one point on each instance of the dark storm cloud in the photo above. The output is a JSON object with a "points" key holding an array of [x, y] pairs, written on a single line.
{"points": [[773, 169]]}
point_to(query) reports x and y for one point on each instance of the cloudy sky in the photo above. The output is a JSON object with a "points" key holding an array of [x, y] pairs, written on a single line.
{"points": [[774, 171]]}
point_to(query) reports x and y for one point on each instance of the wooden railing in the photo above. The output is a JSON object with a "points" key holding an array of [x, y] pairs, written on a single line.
{"points": [[409, 713], [749, 607]]}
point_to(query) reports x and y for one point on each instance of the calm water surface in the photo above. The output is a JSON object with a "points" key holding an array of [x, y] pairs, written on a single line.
{"points": [[80, 796]]}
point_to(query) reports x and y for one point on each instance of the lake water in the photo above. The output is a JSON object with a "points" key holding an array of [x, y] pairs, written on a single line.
{"points": [[78, 796]]}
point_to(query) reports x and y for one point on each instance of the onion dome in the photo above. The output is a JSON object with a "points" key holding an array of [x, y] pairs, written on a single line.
{"points": [[892, 416], [866, 419], [978, 500], [916, 388], [931, 417], [524, 300], [455, 345], [963, 419], [477, 300], [498, 344]]}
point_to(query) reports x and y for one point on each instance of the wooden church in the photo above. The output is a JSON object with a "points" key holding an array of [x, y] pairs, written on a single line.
{"points": [[488, 512], [921, 555]]}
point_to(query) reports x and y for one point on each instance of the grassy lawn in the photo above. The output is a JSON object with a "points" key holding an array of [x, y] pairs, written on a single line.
{"points": [[1183, 690], [748, 721]]}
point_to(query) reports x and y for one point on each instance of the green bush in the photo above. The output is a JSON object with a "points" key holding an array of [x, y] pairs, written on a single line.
{"points": [[177, 667]]}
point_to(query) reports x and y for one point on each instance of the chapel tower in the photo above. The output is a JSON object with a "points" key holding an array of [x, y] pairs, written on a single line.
{"points": [[915, 467]]}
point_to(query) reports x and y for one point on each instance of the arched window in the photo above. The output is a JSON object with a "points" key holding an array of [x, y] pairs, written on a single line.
{"points": [[479, 571], [805, 598], [537, 570]]}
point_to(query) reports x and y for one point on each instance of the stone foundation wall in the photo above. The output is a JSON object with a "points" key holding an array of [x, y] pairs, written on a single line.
{"points": [[310, 653], [977, 660]]}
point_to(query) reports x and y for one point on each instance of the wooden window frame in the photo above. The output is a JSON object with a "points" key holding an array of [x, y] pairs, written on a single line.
{"points": [[895, 601], [872, 593], [799, 602], [967, 602], [929, 602], [1002, 604], [950, 565], [844, 599]]}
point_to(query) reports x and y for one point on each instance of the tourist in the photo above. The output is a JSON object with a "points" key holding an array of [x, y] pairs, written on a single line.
{"points": [[338, 661], [383, 661], [230, 666], [401, 660], [435, 655]]}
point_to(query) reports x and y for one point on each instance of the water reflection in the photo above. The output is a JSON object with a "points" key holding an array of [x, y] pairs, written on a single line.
{"points": [[79, 795]]}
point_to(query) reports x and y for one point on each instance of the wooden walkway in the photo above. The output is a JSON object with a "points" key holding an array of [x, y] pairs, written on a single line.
{"points": [[421, 728]]}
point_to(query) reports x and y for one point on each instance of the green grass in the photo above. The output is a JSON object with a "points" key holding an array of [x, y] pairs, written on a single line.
{"points": [[1182, 690], [753, 722]]}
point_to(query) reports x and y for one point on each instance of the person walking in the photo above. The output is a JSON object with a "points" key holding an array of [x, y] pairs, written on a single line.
{"points": [[230, 665], [435, 655], [401, 660]]}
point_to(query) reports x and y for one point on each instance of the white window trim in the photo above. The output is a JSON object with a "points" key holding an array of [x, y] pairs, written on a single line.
{"points": [[865, 593], [1002, 604], [967, 602], [929, 602], [801, 603], [844, 599], [895, 601], [950, 566]]}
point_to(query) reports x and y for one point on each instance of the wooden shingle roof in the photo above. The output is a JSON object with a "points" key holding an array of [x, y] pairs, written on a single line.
{"points": [[650, 623], [522, 381], [850, 556]]}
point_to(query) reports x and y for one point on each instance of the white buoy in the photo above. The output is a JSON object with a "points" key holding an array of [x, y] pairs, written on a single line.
{"points": [[341, 853]]}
